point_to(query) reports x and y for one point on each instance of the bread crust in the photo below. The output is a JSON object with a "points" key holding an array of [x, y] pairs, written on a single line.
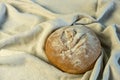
{"points": [[73, 49]]}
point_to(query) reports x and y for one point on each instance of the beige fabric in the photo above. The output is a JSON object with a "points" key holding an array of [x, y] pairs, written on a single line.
{"points": [[25, 25]]}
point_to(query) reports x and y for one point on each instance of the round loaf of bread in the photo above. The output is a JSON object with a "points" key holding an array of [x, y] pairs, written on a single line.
{"points": [[73, 49]]}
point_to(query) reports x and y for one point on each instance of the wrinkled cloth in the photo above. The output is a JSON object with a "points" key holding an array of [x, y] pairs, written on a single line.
{"points": [[26, 24]]}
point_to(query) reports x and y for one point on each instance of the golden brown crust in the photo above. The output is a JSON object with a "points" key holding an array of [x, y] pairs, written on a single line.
{"points": [[73, 49]]}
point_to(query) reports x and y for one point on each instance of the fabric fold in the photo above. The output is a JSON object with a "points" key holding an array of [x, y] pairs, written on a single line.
{"points": [[2, 13]]}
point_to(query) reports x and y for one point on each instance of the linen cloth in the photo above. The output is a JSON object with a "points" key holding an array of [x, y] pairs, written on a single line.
{"points": [[26, 24]]}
